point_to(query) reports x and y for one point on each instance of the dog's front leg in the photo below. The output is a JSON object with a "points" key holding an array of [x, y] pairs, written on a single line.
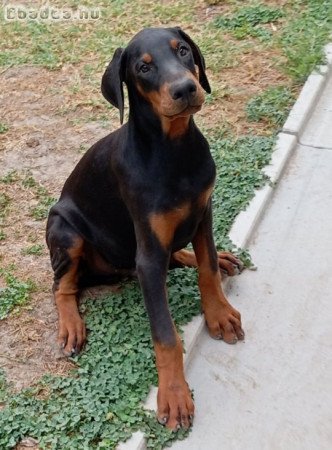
{"points": [[175, 405], [223, 321]]}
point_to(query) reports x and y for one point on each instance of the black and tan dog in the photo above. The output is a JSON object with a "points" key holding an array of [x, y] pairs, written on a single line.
{"points": [[137, 198]]}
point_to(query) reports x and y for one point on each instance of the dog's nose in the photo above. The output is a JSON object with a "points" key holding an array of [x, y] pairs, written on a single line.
{"points": [[183, 89]]}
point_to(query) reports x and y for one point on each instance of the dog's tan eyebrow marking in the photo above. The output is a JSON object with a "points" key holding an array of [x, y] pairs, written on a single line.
{"points": [[174, 43], [147, 58]]}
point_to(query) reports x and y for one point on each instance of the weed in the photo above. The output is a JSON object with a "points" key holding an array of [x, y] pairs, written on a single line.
{"points": [[244, 22], [217, 93], [3, 128], [40, 211], [4, 207], [272, 105], [10, 177], [45, 202], [3, 387], [36, 249], [29, 182], [4, 204], [15, 293]]}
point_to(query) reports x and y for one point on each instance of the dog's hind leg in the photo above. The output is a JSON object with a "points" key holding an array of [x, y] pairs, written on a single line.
{"points": [[66, 250], [228, 263]]}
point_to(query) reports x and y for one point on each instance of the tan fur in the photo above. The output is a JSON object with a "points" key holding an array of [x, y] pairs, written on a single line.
{"points": [[165, 224]]}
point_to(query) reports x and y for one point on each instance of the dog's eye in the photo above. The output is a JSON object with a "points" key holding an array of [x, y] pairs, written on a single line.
{"points": [[182, 50], [144, 68]]}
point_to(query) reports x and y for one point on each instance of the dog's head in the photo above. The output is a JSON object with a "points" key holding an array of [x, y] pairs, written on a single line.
{"points": [[164, 67]]}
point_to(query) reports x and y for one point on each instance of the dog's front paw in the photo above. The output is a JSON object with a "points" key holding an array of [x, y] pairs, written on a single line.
{"points": [[224, 322], [71, 335], [175, 406]]}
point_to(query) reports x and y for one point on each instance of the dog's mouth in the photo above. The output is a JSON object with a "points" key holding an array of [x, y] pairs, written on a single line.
{"points": [[187, 111]]}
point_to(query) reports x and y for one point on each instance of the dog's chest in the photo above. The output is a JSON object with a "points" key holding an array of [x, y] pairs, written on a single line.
{"points": [[176, 220]]}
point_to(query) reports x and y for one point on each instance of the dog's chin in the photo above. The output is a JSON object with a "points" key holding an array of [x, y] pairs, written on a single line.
{"points": [[188, 111]]}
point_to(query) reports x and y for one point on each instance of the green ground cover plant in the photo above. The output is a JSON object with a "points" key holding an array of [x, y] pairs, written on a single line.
{"points": [[99, 403], [302, 39], [271, 105]]}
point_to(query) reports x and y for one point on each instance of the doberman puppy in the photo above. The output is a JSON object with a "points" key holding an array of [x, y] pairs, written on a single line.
{"points": [[137, 198]]}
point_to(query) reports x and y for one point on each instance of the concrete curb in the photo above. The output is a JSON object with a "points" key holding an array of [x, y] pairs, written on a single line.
{"points": [[247, 220], [307, 100]]}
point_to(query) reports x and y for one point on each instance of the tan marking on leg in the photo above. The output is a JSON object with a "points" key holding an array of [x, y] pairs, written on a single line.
{"points": [[223, 321], [209, 280], [169, 361], [210, 288], [165, 224], [205, 196], [175, 405], [71, 327], [68, 282]]}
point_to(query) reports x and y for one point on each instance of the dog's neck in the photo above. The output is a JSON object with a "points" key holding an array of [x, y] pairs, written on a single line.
{"points": [[175, 128]]}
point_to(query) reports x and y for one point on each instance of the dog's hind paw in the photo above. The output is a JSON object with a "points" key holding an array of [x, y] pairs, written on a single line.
{"points": [[229, 264]]}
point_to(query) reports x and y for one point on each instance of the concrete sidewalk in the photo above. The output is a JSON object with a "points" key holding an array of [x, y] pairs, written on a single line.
{"points": [[275, 390]]}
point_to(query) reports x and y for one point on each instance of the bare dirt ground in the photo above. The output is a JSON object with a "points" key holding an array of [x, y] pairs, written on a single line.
{"points": [[46, 144], [52, 121]]}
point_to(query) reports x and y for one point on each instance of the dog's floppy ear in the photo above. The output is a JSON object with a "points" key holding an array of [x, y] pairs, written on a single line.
{"points": [[112, 81], [199, 60]]}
